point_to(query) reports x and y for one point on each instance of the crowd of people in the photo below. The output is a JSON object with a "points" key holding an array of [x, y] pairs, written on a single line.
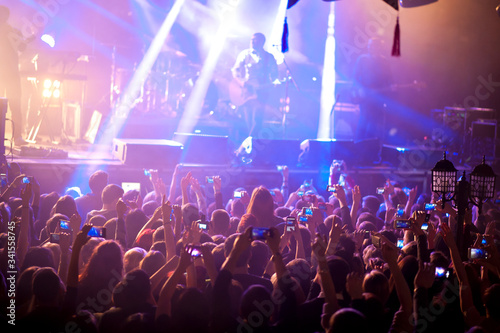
{"points": [[264, 260]]}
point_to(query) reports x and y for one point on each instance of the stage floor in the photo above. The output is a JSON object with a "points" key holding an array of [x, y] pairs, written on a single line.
{"points": [[58, 167]]}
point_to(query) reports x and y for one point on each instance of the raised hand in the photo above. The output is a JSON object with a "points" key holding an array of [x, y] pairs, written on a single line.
{"points": [[217, 184], [121, 208], [166, 210], [356, 194], [447, 235], [273, 240], [319, 247], [425, 275], [186, 180], [82, 237]]}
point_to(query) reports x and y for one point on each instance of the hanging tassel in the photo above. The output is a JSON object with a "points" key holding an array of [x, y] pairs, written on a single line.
{"points": [[396, 46], [284, 38]]}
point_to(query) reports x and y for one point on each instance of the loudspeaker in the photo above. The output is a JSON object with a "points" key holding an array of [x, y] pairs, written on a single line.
{"points": [[147, 153], [483, 139], [264, 152], [203, 149], [320, 153]]}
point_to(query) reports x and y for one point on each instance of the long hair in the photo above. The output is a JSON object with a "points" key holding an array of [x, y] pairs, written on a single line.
{"points": [[105, 263], [262, 207]]}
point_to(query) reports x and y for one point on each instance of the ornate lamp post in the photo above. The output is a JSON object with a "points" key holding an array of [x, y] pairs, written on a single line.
{"points": [[480, 188]]}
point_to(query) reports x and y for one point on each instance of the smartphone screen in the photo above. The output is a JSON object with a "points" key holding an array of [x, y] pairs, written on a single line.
{"points": [[97, 232], [290, 224], [402, 224], [64, 225], [400, 243], [259, 233], [130, 186]]}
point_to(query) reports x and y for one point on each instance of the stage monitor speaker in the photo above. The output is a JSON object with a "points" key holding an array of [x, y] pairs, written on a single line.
{"points": [[320, 153], [203, 149], [264, 152], [367, 151], [148, 153]]}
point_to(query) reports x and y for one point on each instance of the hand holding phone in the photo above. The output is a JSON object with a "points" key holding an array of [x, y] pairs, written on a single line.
{"points": [[290, 224], [260, 233], [193, 250]]}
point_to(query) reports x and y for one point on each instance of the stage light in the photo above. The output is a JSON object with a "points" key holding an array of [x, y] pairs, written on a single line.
{"points": [[47, 84], [49, 40], [327, 99], [57, 84], [46, 93], [56, 93]]}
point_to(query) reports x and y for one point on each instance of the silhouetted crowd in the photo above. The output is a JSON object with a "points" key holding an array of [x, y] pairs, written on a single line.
{"points": [[263, 260]]}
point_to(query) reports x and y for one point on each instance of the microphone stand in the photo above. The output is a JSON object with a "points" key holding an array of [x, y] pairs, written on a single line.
{"points": [[286, 104]]}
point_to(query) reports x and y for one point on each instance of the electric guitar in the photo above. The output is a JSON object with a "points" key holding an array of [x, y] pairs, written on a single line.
{"points": [[242, 92]]}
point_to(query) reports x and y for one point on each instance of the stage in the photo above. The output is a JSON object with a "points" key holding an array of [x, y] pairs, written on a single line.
{"points": [[57, 167]]}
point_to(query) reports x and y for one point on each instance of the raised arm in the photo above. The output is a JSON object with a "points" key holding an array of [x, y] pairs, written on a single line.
{"points": [[173, 184], [23, 240], [471, 315], [219, 202], [356, 203], [164, 306], [184, 188], [166, 210], [390, 254], [121, 230]]}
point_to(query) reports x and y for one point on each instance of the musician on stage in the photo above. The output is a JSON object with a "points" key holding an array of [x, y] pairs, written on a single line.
{"points": [[372, 79], [255, 69], [11, 42]]}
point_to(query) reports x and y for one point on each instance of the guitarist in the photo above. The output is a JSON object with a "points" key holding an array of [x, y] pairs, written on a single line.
{"points": [[11, 42], [255, 70], [372, 77]]}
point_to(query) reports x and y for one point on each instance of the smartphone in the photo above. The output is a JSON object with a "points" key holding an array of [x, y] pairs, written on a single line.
{"points": [[300, 193], [3, 179], [202, 225], [307, 211], [26, 180], [97, 232], [430, 206], [402, 224], [400, 243], [210, 180], [193, 250], [331, 188], [442, 272], [237, 194], [147, 173], [54, 238], [303, 219], [425, 226], [483, 241], [376, 241], [380, 190], [64, 225], [475, 253], [259, 233], [322, 205], [400, 211], [290, 224], [272, 193], [130, 186], [307, 183]]}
